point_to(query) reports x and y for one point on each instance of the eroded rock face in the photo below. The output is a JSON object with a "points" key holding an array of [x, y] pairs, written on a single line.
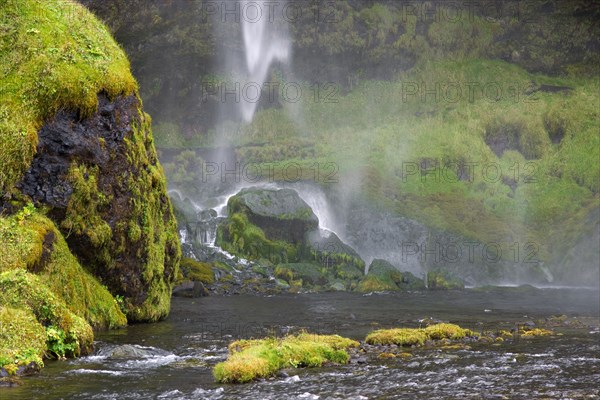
{"points": [[106, 191], [67, 139]]}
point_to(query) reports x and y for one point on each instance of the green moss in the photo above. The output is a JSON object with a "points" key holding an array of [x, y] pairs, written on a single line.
{"points": [[52, 56], [66, 333], [310, 274], [82, 214], [252, 359], [371, 283], [417, 336], [535, 332], [196, 271], [447, 331], [22, 338], [384, 276], [239, 236], [34, 244], [397, 336], [441, 280]]}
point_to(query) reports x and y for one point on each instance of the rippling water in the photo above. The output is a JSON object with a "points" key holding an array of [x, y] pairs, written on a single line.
{"points": [[173, 358]]}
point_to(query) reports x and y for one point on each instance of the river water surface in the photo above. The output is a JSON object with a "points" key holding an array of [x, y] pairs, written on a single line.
{"points": [[173, 358]]}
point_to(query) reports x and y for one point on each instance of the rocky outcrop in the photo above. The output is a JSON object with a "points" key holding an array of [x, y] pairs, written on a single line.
{"points": [[85, 219], [102, 183]]}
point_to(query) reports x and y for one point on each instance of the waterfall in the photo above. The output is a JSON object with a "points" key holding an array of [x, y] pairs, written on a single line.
{"points": [[315, 197], [265, 40]]}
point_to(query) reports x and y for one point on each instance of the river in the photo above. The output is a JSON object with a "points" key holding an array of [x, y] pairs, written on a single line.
{"points": [[176, 355]]}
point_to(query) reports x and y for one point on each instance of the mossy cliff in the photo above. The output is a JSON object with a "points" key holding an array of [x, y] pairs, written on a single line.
{"points": [[87, 231]]}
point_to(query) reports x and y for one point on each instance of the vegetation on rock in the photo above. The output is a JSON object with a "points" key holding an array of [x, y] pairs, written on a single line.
{"points": [[196, 271], [63, 59], [417, 336], [32, 243], [75, 141], [262, 358], [383, 276]]}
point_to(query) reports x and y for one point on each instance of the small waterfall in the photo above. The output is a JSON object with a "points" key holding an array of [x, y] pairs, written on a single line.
{"points": [[265, 41]]}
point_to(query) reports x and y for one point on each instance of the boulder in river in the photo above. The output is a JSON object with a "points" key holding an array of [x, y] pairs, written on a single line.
{"points": [[384, 276]]}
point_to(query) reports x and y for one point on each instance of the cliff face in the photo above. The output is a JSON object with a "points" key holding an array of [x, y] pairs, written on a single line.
{"points": [[84, 215]]}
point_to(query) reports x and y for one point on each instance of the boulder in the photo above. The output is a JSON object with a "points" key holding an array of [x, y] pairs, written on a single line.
{"points": [[281, 214], [383, 276]]}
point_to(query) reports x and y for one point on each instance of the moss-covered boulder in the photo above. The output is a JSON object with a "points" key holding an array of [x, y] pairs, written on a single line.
{"points": [[74, 139], [281, 214], [262, 358], [268, 224], [443, 280], [330, 251], [302, 274], [418, 336], [279, 227], [383, 276]]}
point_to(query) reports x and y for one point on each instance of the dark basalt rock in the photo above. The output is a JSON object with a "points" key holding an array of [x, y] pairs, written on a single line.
{"points": [[67, 138]]}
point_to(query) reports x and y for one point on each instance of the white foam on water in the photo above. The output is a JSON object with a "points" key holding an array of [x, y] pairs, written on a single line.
{"points": [[84, 371]]}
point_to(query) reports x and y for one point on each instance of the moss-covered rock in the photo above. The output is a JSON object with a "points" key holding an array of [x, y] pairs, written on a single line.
{"points": [[31, 242], [278, 226], [383, 276], [262, 358], [196, 271], [66, 333], [239, 236], [22, 339], [328, 250], [281, 214], [442, 280], [74, 138], [418, 336], [64, 58], [309, 274]]}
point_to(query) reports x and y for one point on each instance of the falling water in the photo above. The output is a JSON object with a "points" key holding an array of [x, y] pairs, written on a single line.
{"points": [[265, 41]]}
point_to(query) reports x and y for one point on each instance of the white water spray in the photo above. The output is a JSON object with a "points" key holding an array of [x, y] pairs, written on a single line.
{"points": [[265, 41]]}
